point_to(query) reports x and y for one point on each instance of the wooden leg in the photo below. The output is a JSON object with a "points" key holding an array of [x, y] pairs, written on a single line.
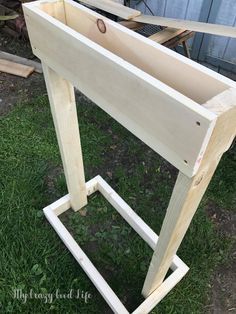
{"points": [[188, 192], [184, 201], [186, 49], [63, 108]]}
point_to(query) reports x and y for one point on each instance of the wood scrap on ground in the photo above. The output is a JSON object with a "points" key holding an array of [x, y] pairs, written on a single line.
{"points": [[14, 58], [15, 68]]}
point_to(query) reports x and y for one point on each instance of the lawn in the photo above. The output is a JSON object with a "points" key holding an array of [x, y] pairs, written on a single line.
{"points": [[32, 255]]}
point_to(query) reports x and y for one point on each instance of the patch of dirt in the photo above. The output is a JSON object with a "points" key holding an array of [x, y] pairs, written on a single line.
{"points": [[223, 286]]}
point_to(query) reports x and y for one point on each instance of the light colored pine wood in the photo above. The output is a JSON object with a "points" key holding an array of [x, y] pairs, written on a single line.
{"points": [[180, 39], [153, 299], [188, 192], [114, 8], [15, 68], [63, 108], [53, 8], [172, 127], [122, 11], [165, 35], [145, 98], [147, 55], [215, 29], [97, 183], [14, 58]]}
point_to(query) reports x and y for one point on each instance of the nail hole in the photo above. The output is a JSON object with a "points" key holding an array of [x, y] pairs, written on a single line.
{"points": [[198, 123], [101, 26], [185, 161]]}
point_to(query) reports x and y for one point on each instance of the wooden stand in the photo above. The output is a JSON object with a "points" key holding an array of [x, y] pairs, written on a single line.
{"points": [[190, 120]]}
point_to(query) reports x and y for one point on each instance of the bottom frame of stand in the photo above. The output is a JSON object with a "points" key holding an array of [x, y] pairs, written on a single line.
{"points": [[178, 267]]}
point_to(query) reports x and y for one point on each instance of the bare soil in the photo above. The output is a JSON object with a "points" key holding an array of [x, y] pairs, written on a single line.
{"points": [[223, 286]]}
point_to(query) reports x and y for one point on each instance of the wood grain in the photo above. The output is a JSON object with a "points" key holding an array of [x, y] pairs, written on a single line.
{"points": [[15, 68], [63, 108], [188, 192]]}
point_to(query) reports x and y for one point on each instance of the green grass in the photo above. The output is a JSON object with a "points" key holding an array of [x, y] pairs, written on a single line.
{"points": [[32, 255]]}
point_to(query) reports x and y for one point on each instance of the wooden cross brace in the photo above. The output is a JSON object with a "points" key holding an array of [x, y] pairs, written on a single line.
{"points": [[188, 118]]}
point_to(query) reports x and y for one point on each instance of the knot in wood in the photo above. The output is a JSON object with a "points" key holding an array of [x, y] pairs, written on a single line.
{"points": [[101, 26]]}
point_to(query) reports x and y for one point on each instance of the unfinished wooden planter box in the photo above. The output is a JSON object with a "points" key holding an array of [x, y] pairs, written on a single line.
{"points": [[182, 110]]}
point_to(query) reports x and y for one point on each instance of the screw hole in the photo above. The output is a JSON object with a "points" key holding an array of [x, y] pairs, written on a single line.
{"points": [[198, 123], [185, 161]]}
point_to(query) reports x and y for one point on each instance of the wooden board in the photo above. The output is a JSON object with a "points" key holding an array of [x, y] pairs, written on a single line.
{"points": [[188, 192], [114, 8], [148, 56], [132, 25], [160, 116], [14, 58], [216, 29], [15, 68], [63, 108], [180, 39], [166, 34]]}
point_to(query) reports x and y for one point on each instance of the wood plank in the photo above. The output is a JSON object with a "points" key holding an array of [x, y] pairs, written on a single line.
{"points": [[63, 108], [208, 28], [14, 58], [166, 34], [188, 192], [15, 68], [132, 25], [63, 204], [153, 299], [120, 88], [114, 8], [156, 61], [179, 39], [201, 27]]}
